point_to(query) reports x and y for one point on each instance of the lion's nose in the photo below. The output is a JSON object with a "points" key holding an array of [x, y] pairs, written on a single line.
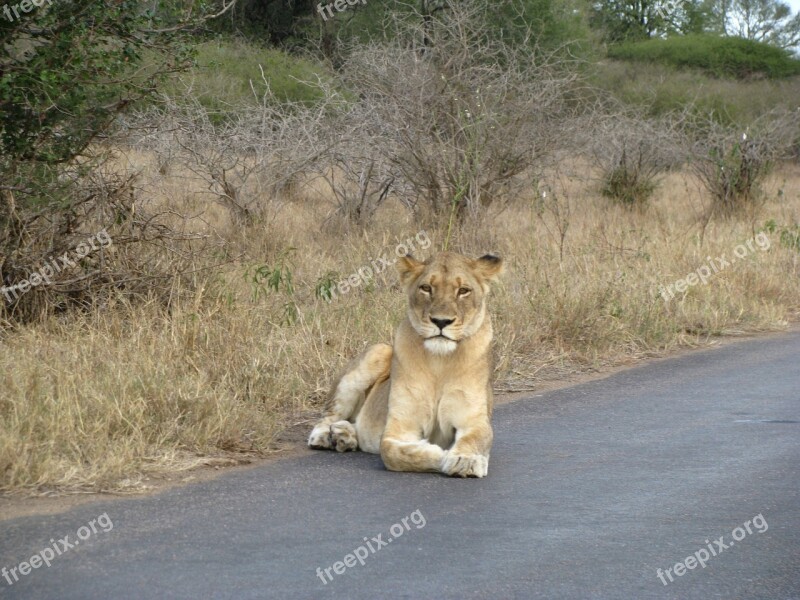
{"points": [[441, 323]]}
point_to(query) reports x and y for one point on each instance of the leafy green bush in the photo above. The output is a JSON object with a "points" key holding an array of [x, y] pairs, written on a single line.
{"points": [[718, 56]]}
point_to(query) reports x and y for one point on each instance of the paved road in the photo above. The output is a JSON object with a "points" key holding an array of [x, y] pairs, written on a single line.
{"points": [[591, 489]]}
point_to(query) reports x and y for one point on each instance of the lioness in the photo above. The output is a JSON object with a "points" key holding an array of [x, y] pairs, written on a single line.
{"points": [[425, 403]]}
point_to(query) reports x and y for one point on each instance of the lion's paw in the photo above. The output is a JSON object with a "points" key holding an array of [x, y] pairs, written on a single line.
{"points": [[320, 438], [465, 465], [343, 436]]}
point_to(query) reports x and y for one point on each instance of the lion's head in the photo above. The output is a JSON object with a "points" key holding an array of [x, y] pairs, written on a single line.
{"points": [[447, 296]]}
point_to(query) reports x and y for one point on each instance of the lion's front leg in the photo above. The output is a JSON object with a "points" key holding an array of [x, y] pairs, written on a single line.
{"points": [[467, 411], [469, 455], [336, 431], [403, 449], [411, 413], [411, 454]]}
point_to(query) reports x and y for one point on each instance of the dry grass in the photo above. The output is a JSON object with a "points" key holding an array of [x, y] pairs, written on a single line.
{"points": [[100, 401]]}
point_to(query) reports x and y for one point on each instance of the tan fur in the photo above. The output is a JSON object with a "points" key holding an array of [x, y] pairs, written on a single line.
{"points": [[426, 403]]}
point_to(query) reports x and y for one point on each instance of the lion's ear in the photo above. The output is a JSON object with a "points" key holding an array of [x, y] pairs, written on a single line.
{"points": [[408, 267], [489, 266]]}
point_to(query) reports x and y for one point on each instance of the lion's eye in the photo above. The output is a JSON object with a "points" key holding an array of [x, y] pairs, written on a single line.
{"points": [[425, 288], [463, 291]]}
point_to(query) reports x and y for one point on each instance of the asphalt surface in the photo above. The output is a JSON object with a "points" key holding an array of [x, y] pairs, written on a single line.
{"points": [[591, 489]]}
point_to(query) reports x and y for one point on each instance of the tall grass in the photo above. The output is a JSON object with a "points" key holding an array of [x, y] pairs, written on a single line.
{"points": [[101, 401]]}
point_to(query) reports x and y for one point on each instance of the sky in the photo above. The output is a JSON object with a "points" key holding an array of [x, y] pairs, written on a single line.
{"points": [[795, 4]]}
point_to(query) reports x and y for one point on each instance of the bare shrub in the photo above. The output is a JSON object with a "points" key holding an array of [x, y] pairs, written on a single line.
{"points": [[553, 209], [441, 118], [358, 204], [46, 266], [460, 117], [732, 163], [631, 152], [354, 169], [246, 159]]}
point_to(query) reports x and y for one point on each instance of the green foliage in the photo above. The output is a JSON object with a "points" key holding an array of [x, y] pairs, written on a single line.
{"points": [[547, 25], [326, 286], [553, 24], [360, 23], [228, 74], [789, 234], [717, 56], [634, 20], [626, 20], [265, 279], [297, 24], [659, 89], [68, 68], [278, 280], [790, 237], [279, 22]]}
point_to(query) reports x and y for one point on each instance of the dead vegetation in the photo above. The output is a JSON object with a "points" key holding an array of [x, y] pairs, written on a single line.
{"points": [[103, 399], [204, 330]]}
